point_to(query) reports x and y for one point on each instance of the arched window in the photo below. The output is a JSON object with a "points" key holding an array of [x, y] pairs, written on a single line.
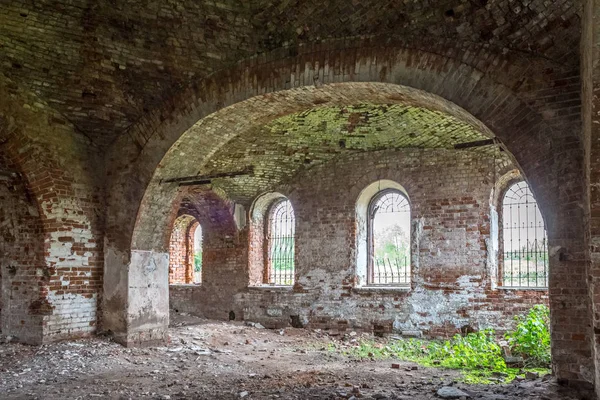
{"points": [[197, 248], [185, 251], [525, 246], [389, 239], [280, 243]]}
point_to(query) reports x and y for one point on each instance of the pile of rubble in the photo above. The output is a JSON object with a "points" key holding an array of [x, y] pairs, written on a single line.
{"points": [[218, 360]]}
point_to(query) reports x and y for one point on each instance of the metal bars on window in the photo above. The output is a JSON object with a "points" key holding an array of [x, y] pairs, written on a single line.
{"points": [[389, 239], [525, 245], [280, 238]]}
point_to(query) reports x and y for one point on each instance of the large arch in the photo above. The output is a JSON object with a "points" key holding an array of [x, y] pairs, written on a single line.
{"points": [[65, 255], [544, 146], [222, 249], [488, 90]]}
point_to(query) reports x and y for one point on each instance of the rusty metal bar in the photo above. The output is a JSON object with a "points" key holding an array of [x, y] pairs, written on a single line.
{"points": [[196, 183], [206, 179], [477, 143]]}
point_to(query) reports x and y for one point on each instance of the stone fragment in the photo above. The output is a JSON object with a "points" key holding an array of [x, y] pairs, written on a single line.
{"points": [[450, 392], [531, 375], [254, 325], [514, 361]]}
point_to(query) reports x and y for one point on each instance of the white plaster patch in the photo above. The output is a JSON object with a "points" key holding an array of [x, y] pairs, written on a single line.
{"points": [[72, 313]]}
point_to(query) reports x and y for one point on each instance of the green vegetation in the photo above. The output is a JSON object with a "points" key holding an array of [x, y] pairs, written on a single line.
{"points": [[392, 244], [198, 261], [531, 337], [478, 355], [282, 255]]}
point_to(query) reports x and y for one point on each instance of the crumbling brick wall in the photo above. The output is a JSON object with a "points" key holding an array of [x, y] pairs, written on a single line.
{"points": [[450, 195], [257, 246], [451, 286], [59, 171]]}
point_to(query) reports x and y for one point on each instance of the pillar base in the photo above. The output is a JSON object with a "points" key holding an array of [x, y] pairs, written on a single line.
{"points": [[150, 338]]}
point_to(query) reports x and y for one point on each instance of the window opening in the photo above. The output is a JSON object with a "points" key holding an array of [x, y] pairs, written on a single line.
{"points": [[197, 263], [280, 238], [525, 254], [389, 239]]}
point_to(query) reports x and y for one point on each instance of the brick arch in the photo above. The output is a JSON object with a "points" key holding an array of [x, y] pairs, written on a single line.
{"points": [[134, 158], [223, 249], [213, 132], [363, 206], [256, 91], [181, 249], [49, 155], [501, 188]]}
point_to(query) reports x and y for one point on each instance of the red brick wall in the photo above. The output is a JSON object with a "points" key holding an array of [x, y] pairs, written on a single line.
{"points": [[60, 172], [257, 252], [257, 247], [452, 283], [181, 250], [590, 113]]}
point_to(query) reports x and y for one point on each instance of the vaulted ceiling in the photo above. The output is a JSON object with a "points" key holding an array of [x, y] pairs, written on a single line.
{"points": [[104, 64], [283, 147]]}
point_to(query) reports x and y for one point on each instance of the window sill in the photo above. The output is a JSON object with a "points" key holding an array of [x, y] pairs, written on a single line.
{"points": [[522, 288], [382, 289], [274, 288]]}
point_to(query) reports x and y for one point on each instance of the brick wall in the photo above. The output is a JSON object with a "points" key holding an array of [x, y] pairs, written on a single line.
{"points": [[257, 250], [452, 282], [23, 285], [60, 175], [590, 49], [523, 86]]}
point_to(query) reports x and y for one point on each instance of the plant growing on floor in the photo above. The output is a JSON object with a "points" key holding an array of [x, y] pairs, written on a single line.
{"points": [[478, 355], [531, 337], [471, 352]]}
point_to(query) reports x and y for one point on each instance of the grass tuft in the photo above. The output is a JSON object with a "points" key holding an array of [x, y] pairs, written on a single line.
{"points": [[477, 355]]}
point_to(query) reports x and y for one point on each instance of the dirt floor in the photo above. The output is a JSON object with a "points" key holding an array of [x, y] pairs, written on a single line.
{"points": [[230, 360]]}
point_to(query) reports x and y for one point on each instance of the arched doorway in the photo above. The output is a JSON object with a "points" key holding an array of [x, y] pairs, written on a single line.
{"points": [[185, 251]]}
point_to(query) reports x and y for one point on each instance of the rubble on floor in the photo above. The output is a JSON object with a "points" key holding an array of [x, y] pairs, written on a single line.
{"points": [[231, 360]]}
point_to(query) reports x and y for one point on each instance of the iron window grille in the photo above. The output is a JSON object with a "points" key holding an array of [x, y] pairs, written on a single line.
{"points": [[280, 239], [389, 239], [525, 244]]}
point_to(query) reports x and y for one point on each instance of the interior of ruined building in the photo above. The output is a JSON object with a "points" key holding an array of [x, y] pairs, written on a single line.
{"points": [[390, 168]]}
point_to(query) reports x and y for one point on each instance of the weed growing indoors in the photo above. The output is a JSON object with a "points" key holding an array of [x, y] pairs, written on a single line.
{"points": [[478, 355]]}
